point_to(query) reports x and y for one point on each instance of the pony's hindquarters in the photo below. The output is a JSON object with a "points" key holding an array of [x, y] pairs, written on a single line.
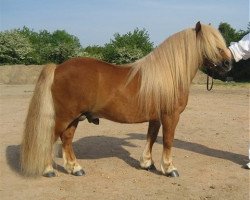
{"points": [[38, 137]]}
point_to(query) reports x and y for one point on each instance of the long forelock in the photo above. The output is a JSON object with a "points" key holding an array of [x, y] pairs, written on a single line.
{"points": [[211, 41]]}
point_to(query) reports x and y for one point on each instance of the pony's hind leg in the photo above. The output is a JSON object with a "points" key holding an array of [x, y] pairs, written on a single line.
{"points": [[49, 170], [70, 163], [146, 161], [169, 123]]}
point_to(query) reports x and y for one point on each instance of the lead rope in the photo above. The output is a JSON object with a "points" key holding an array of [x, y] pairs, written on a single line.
{"points": [[212, 83]]}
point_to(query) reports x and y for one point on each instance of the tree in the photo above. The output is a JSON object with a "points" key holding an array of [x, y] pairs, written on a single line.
{"points": [[94, 51], [14, 48], [63, 46], [41, 44], [230, 34], [128, 47], [53, 47]]}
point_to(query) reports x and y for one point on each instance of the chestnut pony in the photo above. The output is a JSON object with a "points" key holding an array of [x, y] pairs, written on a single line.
{"points": [[153, 89]]}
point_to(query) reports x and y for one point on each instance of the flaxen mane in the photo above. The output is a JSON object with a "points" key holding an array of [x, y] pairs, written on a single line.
{"points": [[168, 71]]}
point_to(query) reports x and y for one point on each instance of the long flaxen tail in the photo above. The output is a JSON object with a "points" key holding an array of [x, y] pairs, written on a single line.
{"points": [[38, 137]]}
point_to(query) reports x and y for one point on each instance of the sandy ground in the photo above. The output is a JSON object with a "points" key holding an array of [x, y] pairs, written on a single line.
{"points": [[210, 147]]}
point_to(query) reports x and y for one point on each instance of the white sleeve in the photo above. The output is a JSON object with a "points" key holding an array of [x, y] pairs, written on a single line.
{"points": [[241, 49]]}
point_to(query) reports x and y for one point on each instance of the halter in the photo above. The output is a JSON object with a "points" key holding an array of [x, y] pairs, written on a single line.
{"points": [[212, 83], [226, 66], [210, 87]]}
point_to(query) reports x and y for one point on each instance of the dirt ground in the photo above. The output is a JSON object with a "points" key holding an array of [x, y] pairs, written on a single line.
{"points": [[210, 147]]}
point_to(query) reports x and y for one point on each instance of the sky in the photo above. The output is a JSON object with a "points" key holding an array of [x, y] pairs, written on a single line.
{"points": [[94, 22]]}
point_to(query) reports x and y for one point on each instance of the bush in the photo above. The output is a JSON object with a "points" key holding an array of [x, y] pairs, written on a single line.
{"points": [[93, 52], [230, 34], [128, 47], [62, 46], [14, 48], [24, 46], [122, 55]]}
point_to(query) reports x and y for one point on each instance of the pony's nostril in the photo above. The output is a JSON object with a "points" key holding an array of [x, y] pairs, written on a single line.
{"points": [[226, 63]]}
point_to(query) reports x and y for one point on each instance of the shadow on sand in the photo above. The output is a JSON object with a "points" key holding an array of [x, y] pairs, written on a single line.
{"points": [[97, 147]]}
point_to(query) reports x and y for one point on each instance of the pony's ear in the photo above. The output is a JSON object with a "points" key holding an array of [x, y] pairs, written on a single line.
{"points": [[198, 27]]}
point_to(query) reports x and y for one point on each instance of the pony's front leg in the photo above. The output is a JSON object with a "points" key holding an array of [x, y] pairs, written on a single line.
{"points": [[169, 123], [70, 163], [146, 161]]}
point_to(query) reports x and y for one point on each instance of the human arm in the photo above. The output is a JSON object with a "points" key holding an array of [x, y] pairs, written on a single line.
{"points": [[240, 50]]}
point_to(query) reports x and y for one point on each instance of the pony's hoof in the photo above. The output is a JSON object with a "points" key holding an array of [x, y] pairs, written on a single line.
{"points": [[79, 173], [151, 168], [174, 173], [49, 174]]}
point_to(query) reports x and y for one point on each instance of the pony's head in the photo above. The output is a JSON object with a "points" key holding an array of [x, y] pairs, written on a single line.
{"points": [[213, 49]]}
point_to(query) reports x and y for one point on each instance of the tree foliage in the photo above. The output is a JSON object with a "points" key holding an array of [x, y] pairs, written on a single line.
{"points": [[14, 48], [128, 47], [94, 51], [230, 34], [63, 46], [25, 46], [29, 47]]}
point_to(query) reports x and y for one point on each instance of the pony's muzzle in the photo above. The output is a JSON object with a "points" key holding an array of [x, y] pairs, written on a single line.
{"points": [[227, 65]]}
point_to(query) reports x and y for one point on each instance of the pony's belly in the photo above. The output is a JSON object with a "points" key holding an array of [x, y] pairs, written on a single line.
{"points": [[127, 116]]}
